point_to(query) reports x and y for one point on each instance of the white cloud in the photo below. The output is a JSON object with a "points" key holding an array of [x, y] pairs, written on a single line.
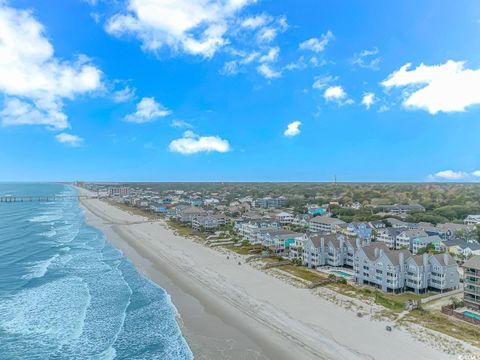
{"points": [[315, 44], [191, 143], [267, 34], [322, 82], [254, 22], [368, 99], [196, 27], [448, 87], [124, 94], [367, 59], [268, 72], [148, 110], [476, 173], [35, 82], [293, 129], [181, 124], [451, 175], [69, 139], [334, 93], [271, 56]]}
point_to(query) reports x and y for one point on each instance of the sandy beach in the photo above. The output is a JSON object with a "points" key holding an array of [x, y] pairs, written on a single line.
{"points": [[232, 311]]}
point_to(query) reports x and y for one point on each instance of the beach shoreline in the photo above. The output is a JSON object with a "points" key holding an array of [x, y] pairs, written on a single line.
{"points": [[231, 311]]}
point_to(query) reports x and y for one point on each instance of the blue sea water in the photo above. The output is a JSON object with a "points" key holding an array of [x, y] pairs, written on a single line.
{"points": [[65, 293]]}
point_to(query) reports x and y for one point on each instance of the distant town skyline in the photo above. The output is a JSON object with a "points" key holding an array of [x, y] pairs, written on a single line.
{"points": [[239, 91]]}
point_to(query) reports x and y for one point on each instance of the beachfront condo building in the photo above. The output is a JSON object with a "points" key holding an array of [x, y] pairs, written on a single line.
{"points": [[471, 289], [400, 270], [328, 249]]}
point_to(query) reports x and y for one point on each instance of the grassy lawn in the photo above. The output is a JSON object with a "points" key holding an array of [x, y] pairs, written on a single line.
{"points": [[242, 250], [394, 302], [447, 325], [135, 211]]}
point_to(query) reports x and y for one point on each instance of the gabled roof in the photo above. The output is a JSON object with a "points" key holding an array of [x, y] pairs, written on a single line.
{"points": [[473, 262], [441, 259], [462, 244], [326, 220], [369, 250]]}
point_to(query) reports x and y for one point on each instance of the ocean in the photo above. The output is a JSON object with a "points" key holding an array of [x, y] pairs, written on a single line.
{"points": [[66, 293]]}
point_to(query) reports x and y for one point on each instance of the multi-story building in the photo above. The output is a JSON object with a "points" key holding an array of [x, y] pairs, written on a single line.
{"points": [[269, 202], [323, 224], [471, 288], [208, 222], [284, 218], [399, 270], [117, 191], [404, 239], [330, 249], [188, 213], [279, 240], [388, 236], [399, 209], [472, 220]]}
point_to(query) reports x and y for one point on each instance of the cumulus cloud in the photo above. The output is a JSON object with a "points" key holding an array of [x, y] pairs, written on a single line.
{"points": [[448, 87], [196, 27], [191, 143], [69, 139], [317, 44], [148, 110], [34, 82], [293, 129], [334, 93], [268, 72], [368, 99], [367, 59], [451, 175], [476, 173]]}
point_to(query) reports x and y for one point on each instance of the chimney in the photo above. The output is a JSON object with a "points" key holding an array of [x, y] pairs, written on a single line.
{"points": [[376, 252], [401, 258], [357, 243], [445, 258], [425, 259]]}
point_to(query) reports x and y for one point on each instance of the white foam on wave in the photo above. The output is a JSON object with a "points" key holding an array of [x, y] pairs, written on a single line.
{"points": [[38, 269], [49, 234], [53, 312], [47, 217]]}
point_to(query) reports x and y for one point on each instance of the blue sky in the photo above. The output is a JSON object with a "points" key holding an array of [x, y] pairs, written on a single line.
{"points": [[239, 90]]}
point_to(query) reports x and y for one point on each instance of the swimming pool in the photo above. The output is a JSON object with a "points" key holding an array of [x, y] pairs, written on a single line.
{"points": [[470, 314], [343, 273]]}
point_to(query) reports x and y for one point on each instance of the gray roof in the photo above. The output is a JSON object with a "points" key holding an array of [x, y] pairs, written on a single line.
{"points": [[326, 220], [393, 255], [369, 250], [473, 262], [463, 244], [441, 259], [316, 239]]}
